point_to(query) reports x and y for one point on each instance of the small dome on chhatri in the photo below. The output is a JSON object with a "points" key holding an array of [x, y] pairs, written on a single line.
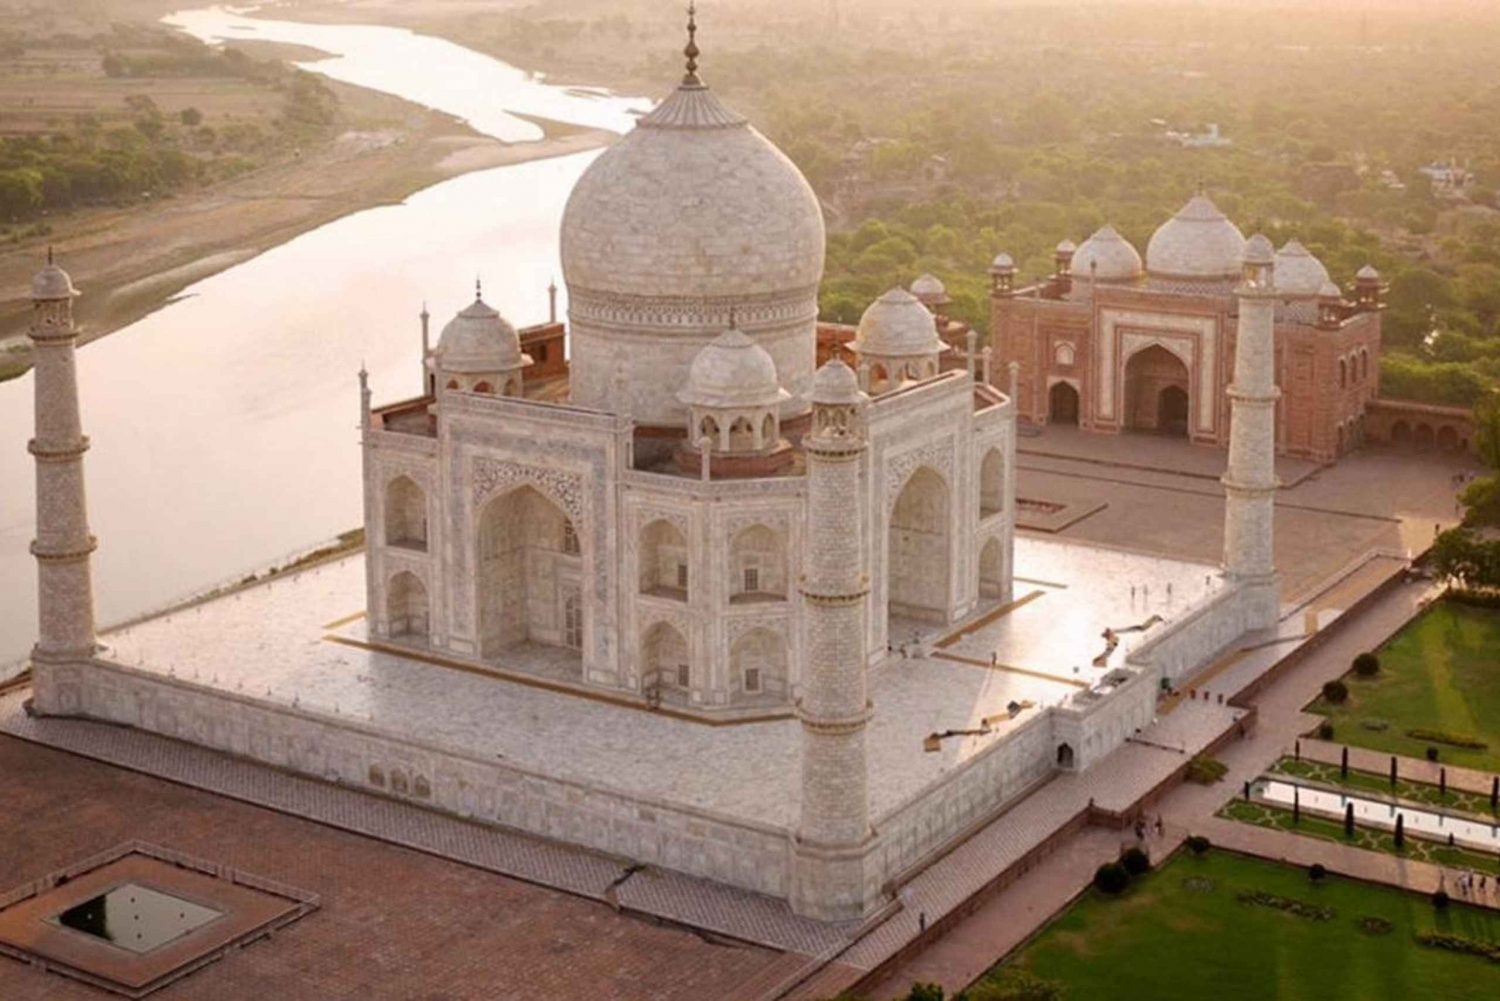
{"points": [[733, 371], [1367, 273], [897, 325], [835, 384], [52, 282], [1298, 272], [930, 289], [479, 339], [1199, 242], [1330, 291], [1002, 262], [1066, 247], [1258, 250], [1107, 257]]}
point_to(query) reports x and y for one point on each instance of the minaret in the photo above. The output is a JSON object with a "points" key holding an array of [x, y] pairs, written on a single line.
{"points": [[833, 837], [63, 546], [1250, 482]]}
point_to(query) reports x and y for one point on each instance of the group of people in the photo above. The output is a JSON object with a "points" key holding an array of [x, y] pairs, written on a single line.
{"points": [[1471, 884]]}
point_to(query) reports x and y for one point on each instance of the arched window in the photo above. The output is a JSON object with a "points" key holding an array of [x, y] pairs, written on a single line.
{"points": [[664, 661], [482, 387], [663, 561], [1064, 354], [768, 432], [1364, 365], [757, 561], [405, 514], [1343, 373], [757, 664], [452, 383], [879, 379], [741, 435], [991, 483], [709, 428]]}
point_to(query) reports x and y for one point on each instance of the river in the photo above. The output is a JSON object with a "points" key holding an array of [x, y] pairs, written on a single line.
{"points": [[224, 425]]}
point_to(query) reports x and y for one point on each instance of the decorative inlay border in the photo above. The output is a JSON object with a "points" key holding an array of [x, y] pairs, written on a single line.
{"points": [[492, 476]]}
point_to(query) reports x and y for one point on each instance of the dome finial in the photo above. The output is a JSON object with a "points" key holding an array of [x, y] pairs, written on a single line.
{"points": [[478, 289], [691, 49], [731, 318], [49, 255]]}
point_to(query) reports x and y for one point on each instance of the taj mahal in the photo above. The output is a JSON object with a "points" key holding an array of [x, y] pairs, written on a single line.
{"points": [[685, 598]]}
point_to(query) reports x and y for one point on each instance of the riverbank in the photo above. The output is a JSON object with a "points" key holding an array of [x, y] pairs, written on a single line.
{"points": [[133, 261]]}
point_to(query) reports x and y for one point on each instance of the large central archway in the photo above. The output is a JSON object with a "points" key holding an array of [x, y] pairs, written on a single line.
{"points": [[1157, 392], [917, 556], [527, 569]]}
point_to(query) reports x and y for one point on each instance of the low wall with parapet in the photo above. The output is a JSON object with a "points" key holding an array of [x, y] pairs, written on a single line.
{"points": [[1205, 633], [914, 834], [341, 750]]}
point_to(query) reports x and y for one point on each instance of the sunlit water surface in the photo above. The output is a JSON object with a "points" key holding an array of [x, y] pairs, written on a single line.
{"points": [[224, 426]]}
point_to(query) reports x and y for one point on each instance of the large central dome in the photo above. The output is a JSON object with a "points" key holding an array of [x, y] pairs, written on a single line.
{"points": [[691, 217]]}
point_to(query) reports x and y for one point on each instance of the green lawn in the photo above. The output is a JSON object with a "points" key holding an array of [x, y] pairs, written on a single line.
{"points": [[1180, 934], [1442, 672]]}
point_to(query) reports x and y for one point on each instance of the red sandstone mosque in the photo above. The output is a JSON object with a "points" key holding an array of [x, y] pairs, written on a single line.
{"points": [[1110, 343]]}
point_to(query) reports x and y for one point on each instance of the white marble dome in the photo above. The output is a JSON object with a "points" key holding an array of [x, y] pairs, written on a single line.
{"points": [[931, 290], [1330, 291], [690, 216], [1002, 262], [52, 282], [897, 325], [1107, 257], [479, 339], [835, 384], [732, 371], [1198, 243], [1298, 272]]}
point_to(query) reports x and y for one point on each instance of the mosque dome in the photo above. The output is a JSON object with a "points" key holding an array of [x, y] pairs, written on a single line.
{"points": [[1002, 262], [835, 384], [1298, 272], [1199, 242], [52, 282], [733, 371], [930, 290], [1258, 250], [1107, 257], [691, 215], [479, 339], [897, 325]]}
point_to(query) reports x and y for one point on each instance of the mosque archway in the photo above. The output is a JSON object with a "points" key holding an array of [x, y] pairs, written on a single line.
{"points": [[1064, 756], [1447, 438], [757, 664], [1424, 437], [524, 571], [1401, 433], [665, 666], [405, 514], [917, 555], [992, 484], [757, 565], [407, 611], [1062, 404], [992, 569], [1157, 392]]}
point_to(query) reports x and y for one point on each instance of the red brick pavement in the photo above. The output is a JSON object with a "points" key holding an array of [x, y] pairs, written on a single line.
{"points": [[395, 924]]}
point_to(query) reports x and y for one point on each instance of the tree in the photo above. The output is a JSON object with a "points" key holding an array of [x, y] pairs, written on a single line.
{"points": [[1335, 691], [1111, 878], [1366, 665], [1487, 429], [1016, 985], [191, 117]]}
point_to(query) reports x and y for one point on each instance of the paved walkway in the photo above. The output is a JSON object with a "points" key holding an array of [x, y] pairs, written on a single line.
{"points": [[1414, 769], [1374, 867]]}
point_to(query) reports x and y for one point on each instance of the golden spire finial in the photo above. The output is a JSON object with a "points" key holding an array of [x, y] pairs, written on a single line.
{"points": [[691, 49]]}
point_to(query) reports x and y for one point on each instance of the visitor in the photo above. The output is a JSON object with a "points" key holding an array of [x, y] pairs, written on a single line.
{"points": [[921, 922], [1161, 827]]}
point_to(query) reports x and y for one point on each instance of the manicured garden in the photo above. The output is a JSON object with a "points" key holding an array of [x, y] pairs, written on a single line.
{"points": [[1371, 839], [1437, 686], [1228, 927], [1413, 792]]}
